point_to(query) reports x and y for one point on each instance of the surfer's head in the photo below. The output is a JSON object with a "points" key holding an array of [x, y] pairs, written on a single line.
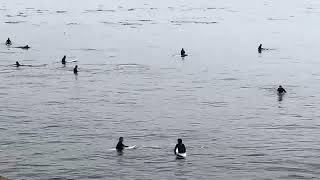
{"points": [[120, 139], [280, 86], [179, 141]]}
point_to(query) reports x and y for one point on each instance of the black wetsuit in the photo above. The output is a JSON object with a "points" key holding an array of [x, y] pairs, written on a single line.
{"points": [[8, 42], [260, 48], [183, 53], [63, 61], [120, 146], [181, 148], [75, 70], [281, 90]]}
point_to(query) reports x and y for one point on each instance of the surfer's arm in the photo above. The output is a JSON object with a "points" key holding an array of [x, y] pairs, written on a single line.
{"points": [[175, 148]]}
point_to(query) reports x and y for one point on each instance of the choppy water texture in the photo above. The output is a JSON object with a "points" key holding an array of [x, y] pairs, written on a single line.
{"points": [[220, 100]]}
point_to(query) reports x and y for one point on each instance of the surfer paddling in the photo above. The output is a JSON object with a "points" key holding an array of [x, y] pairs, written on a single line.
{"points": [[23, 47], [120, 146]]}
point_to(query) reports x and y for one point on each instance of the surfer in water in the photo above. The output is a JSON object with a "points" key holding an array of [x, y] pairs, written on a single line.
{"points": [[75, 69], [23, 47], [181, 148], [63, 61], [281, 90], [260, 48], [8, 42], [183, 53], [120, 146], [17, 64]]}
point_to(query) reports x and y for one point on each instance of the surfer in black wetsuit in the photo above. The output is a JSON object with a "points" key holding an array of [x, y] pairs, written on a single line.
{"points": [[18, 64], [260, 48], [120, 146], [75, 69], [181, 148], [8, 42], [281, 90], [183, 53], [63, 61]]}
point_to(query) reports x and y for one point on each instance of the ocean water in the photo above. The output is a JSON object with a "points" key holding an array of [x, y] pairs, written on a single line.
{"points": [[221, 99]]}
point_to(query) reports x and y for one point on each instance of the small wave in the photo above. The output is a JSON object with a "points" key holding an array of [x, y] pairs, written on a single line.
{"points": [[2, 52], [106, 22], [229, 79], [99, 10], [87, 49], [70, 24], [145, 20], [212, 8], [194, 22], [277, 19], [60, 12], [130, 24], [256, 154], [14, 22], [40, 11]]}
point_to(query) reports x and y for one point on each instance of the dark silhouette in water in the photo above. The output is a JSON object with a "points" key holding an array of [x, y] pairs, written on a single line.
{"points": [[23, 47], [181, 148], [260, 48], [75, 69], [63, 61], [183, 53], [18, 64], [120, 146], [8, 42], [281, 90], [280, 96]]}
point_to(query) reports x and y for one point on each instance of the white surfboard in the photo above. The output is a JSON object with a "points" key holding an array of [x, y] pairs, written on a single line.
{"points": [[128, 148], [71, 61], [131, 147], [180, 155]]}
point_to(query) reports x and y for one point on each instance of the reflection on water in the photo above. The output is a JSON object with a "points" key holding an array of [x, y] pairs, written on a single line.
{"points": [[132, 82]]}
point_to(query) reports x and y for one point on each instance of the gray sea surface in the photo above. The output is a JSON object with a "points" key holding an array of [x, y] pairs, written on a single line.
{"points": [[221, 99]]}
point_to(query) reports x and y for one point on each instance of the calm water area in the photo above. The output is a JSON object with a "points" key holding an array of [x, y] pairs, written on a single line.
{"points": [[221, 99]]}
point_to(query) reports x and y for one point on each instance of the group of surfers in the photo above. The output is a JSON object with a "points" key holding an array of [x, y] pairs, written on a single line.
{"points": [[17, 64], [179, 148], [183, 54]]}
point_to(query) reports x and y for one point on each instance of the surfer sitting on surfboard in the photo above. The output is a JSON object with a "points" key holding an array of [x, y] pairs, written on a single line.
{"points": [[183, 53], [181, 148], [63, 61], [260, 48], [17, 64], [8, 42], [120, 146]]}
